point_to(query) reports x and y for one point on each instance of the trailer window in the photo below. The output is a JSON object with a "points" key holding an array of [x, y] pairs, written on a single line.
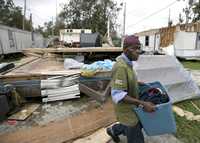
{"points": [[146, 40], [11, 40]]}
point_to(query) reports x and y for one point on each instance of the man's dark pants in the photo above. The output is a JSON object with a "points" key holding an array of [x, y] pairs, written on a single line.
{"points": [[134, 134]]}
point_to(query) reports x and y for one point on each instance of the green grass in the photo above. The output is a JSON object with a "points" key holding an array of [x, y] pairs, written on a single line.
{"points": [[195, 65], [188, 131]]}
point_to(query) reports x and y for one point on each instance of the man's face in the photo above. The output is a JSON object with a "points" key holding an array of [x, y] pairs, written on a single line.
{"points": [[133, 52]]}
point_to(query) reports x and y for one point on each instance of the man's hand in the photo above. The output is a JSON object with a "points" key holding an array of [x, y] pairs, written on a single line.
{"points": [[149, 107], [141, 82]]}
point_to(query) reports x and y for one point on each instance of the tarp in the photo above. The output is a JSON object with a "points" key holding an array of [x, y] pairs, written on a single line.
{"points": [[170, 72]]}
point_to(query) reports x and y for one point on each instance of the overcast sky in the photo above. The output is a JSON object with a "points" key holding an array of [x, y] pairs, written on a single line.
{"points": [[137, 12]]}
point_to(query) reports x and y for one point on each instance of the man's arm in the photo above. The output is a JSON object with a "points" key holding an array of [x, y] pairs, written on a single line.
{"points": [[148, 106], [121, 96]]}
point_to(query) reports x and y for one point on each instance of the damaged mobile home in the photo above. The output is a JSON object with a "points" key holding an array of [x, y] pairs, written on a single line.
{"points": [[13, 40], [182, 40]]}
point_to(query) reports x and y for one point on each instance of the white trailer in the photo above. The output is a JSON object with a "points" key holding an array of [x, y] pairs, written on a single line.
{"points": [[71, 36], [150, 40], [13, 40], [187, 45]]}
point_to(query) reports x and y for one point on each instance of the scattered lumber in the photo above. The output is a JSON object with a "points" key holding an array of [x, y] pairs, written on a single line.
{"points": [[187, 114], [99, 136], [25, 112], [65, 130]]}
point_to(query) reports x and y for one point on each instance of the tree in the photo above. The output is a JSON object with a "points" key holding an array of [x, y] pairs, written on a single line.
{"points": [[196, 11], [90, 14], [11, 15]]}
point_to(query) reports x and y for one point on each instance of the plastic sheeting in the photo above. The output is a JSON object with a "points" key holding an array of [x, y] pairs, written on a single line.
{"points": [[105, 65], [70, 63], [170, 72]]}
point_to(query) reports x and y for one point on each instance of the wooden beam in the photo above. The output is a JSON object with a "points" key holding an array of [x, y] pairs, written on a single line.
{"points": [[99, 136], [74, 50], [25, 112]]}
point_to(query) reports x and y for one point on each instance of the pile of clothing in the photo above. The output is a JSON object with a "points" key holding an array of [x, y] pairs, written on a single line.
{"points": [[153, 92]]}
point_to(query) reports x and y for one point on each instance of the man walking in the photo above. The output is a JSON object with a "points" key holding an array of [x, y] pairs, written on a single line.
{"points": [[125, 94]]}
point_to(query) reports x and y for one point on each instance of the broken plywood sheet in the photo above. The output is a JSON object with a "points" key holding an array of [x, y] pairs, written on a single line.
{"points": [[65, 130], [39, 65], [26, 111], [99, 136]]}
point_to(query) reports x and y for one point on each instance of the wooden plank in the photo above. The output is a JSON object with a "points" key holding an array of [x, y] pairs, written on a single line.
{"points": [[26, 111], [63, 72], [99, 136], [16, 77], [75, 50], [33, 54], [38, 75]]}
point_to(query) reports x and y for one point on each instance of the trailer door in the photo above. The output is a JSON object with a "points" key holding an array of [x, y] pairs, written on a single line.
{"points": [[198, 41]]}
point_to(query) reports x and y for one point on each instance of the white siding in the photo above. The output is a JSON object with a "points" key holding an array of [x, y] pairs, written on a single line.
{"points": [[152, 42], [185, 45], [38, 41], [13, 40], [72, 35], [185, 40], [70, 38], [5, 42], [23, 41]]}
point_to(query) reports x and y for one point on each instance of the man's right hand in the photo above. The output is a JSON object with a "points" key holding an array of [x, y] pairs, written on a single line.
{"points": [[149, 107]]}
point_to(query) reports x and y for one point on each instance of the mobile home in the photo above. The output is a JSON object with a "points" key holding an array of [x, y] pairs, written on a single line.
{"points": [[183, 39]]}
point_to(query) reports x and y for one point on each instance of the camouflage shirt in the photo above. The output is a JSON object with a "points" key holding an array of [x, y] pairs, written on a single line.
{"points": [[124, 78]]}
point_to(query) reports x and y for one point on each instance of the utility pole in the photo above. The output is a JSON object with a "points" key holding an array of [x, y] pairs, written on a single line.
{"points": [[24, 17], [108, 27], [31, 22], [52, 30], [169, 19], [124, 25], [108, 32], [56, 11]]}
